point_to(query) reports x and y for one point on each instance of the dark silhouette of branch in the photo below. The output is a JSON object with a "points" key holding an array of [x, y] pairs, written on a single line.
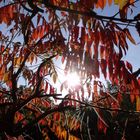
{"points": [[89, 14], [100, 107], [27, 55], [27, 9], [34, 7], [46, 113], [136, 73]]}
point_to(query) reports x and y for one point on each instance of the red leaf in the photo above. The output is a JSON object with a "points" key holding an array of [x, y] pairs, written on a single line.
{"points": [[129, 66], [97, 68], [63, 59], [101, 126], [51, 90], [96, 44], [119, 97], [95, 89], [102, 50], [46, 87], [132, 97], [75, 33], [56, 116]]}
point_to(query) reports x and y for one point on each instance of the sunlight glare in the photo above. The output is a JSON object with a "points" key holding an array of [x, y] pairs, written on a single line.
{"points": [[73, 79]]}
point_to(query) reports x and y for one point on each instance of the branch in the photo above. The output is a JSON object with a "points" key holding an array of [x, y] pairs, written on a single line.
{"points": [[34, 7], [27, 55], [100, 107], [48, 111], [89, 14], [40, 78], [49, 95], [19, 106], [27, 9]]}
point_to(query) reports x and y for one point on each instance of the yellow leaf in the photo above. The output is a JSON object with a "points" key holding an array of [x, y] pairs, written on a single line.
{"points": [[138, 103], [121, 3], [55, 77], [116, 2]]}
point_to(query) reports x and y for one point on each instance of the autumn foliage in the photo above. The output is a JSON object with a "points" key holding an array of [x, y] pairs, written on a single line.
{"points": [[34, 36]]}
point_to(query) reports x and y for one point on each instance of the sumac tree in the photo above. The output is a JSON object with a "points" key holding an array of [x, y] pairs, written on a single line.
{"points": [[33, 34]]}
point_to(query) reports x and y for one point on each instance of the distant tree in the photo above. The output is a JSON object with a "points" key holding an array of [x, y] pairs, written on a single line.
{"points": [[33, 34]]}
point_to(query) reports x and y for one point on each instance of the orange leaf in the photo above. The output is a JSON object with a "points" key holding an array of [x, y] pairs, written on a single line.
{"points": [[10, 11], [17, 61], [129, 36], [109, 2], [132, 98], [6, 77], [101, 3], [101, 126], [137, 103]]}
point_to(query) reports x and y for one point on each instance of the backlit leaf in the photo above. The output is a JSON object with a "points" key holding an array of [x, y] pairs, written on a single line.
{"points": [[6, 77], [132, 97], [129, 36], [129, 66], [109, 2], [121, 3], [138, 103], [101, 3], [17, 61], [55, 77]]}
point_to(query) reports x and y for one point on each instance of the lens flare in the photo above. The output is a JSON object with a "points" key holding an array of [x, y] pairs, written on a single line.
{"points": [[73, 79]]}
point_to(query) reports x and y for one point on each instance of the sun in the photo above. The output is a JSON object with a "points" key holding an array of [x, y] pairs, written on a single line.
{"points": [[73, 79]]}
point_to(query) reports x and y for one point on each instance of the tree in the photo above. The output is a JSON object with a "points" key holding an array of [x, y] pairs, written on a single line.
{"points": [[35, 33]]}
